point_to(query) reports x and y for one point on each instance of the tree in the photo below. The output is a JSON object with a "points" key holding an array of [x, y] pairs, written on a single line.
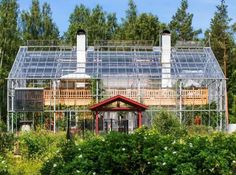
{"points": [[220, 35], [139, 27], [37, 24], [97, 29], [181, 24], [112, 25], [147, 27], [9, 42], [97, 23], [127, 32], [221, 41], [78, 20], [49, 28]]}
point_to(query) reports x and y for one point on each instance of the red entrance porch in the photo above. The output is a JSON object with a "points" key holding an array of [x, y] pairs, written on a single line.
{"points": [[118, 103]]}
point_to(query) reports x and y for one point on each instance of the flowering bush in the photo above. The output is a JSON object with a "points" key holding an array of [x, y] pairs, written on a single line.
{"points": [[146, 152]]}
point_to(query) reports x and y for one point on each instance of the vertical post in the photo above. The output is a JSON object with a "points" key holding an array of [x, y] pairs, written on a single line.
{"points": [[221, 104], [8, 106], [139, 91], [12, 106], [12, 122], [180, 101], [97, 90], [33, 120], [68, 134], [96, 123], [54, 106], [139, 119]]}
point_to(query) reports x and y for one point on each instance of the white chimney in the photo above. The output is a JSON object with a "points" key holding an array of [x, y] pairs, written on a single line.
{"points": [[165, 59], [81, 51]]}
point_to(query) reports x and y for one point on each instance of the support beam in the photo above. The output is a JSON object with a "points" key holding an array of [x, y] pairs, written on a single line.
{"points": [[54, 106], [96, 123], [139, 119]]}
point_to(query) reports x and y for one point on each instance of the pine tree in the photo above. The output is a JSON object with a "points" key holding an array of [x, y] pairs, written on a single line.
{"points": [[127, 31], [147, 27], [112, 26], [49, 29], [9, 42], [220, 35], [79, 19], [221, 42], [97, 24], [37, 24], [181, 24]]}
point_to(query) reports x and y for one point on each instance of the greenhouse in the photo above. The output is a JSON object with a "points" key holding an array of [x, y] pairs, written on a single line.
{"points": [[50, 82]]}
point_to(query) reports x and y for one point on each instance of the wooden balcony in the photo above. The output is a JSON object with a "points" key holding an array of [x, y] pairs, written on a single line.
{"points": [[150, 97], [164, 97], [68, 97]]}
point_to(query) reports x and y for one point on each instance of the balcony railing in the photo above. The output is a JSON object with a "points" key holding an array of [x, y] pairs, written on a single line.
{"points": [[156, 97]]}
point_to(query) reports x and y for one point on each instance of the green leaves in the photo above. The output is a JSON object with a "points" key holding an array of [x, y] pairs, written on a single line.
{"points": [[38, 24], [146, 152], [181, 24]]}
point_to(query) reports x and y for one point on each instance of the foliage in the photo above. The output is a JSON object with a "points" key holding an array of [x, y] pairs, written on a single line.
{"points": [[38, 24], [3, 127], [167, 123], [96, 22], [23, 166], [9, 43], [146, 152], [3, 166], [6, 142], [207, 118], [199, 130], [39, 143], [222, 43], [181, 24]]}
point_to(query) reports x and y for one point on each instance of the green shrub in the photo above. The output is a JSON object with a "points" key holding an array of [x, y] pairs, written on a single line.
{"points": [[3, 127], [167, 123], [40, 143], [6, 142], [3, 166], [146, 152]]}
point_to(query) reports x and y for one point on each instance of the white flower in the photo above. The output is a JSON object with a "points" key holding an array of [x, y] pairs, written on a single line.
{"points": [[173, 142], [163, 163], [94, 173], [149, 163], [54, 165], [233, 161], [79, 149], [3, 162], [191, 145], [123, 149], [174, 152], [77, 171], [103, 140], [80, 156], [166, 148]]}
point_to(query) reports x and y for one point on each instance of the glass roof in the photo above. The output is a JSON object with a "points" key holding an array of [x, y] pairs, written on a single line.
{"points": [[56, 62]]}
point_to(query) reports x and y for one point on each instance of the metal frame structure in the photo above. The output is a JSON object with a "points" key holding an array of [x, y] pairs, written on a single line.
{"points": [[129, 68]]}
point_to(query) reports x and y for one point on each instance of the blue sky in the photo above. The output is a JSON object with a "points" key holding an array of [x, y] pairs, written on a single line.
{"points": [[203, 10]]}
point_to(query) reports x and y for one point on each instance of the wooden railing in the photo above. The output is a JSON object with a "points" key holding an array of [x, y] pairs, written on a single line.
{"points": [[158, 97], [67, 97]]}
